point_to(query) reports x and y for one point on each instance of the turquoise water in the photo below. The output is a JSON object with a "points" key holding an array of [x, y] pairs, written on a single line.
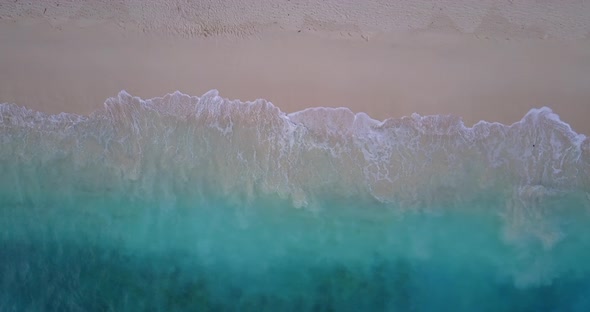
{"points": [[204, 204]]}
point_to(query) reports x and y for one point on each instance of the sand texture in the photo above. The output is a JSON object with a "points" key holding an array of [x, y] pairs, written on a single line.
{"points": [[475, 59]]}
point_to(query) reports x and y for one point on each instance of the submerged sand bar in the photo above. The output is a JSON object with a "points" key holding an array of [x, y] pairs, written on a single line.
{"points": [[475, 60]]}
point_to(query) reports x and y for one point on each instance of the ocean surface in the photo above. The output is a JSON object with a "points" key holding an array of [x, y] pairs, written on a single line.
{"points": [[187, 203]]}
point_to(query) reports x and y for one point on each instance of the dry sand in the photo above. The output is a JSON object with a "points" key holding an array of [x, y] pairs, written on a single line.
{"points": [[478, 60]]}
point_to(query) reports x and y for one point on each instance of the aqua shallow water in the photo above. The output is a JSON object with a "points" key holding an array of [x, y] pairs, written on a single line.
{"points": [[199, 203]]}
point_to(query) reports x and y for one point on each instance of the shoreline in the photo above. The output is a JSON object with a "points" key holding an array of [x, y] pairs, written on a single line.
{"points": [[75, 69]]}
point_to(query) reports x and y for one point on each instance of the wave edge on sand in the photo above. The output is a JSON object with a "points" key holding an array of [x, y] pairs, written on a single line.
{"points": [[540, 149]]}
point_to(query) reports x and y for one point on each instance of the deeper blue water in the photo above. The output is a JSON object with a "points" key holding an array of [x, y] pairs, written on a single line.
{"points": [[203, 204]]}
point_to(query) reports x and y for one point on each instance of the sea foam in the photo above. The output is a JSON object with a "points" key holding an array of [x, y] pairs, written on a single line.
{"points": [[310, 207]]}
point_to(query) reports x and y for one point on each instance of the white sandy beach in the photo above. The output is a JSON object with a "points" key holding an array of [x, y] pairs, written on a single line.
{"points": [[475, 59]]}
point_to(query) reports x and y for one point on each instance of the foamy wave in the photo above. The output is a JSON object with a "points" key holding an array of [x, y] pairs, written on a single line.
{"points": [[250, 146]]}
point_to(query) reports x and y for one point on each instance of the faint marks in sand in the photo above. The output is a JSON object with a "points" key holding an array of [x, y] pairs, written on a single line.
{"points": [[443, 23], [189, 19], [494, 25], [204, 29], [60, 12], [334, 29]]}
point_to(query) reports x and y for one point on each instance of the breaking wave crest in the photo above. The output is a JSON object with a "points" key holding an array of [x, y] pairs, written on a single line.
{"points": [[253, 146], [409, 188]]}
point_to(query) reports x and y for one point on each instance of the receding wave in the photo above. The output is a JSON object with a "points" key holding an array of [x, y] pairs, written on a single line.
{"points": [[187, 202]]}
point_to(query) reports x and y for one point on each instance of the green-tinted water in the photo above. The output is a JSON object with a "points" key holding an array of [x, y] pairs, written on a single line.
{"points": [[202, 204]]}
